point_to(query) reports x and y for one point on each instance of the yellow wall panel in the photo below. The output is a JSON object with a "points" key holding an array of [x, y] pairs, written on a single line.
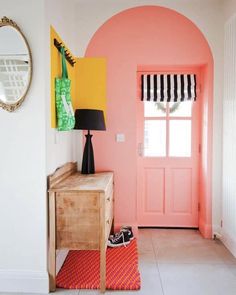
{"points": [[88, 80], [91, 83], [56, 72]]}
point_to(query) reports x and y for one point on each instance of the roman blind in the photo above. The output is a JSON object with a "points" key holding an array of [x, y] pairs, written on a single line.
{"points": [[168, 87]]}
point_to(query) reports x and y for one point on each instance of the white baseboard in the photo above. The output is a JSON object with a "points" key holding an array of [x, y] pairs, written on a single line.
{"points": [[217, 231], [229, 241], [24, 281]]}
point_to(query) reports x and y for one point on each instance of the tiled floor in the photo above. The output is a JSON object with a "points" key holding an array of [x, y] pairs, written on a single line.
{"points": [[179, 262]]}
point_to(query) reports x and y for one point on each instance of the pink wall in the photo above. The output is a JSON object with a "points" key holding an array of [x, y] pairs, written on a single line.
{"points": [[147, 35], [205, 216]]}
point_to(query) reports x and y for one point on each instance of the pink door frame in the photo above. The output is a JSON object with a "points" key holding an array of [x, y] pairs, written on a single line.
{"points": [[166, 215], [130, 38]]}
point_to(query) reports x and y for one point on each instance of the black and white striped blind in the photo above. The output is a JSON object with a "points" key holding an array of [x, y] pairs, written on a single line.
{"points": [[168, 87]]}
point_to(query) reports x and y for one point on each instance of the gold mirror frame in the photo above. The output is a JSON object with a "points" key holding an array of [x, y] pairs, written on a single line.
{"points": [[12, 107]]}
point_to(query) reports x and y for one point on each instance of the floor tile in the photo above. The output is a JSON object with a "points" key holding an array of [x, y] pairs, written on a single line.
{"points": [[150, 279], [178, 238], [195, 279], [231, 269], [224, 253], [89, 292], [175, 233], [188, 247], [16, 293], [144, 234], [60, 291], [147, 259], [188, 254], [145, 246]]}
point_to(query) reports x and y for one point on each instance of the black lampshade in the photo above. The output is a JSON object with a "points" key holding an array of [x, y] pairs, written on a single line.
{"points": [[86, 119]]}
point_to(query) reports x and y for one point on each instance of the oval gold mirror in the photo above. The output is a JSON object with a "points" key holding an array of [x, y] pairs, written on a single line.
{"points": [[15, 65]]}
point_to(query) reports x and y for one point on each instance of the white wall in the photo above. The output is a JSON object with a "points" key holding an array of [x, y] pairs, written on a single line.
{"points": [[207, 15], [31, 150], [66, 146], [229, 135], [61, 146], [229, 8], [23, 223]]}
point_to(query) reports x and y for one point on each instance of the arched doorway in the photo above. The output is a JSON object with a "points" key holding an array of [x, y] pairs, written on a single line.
{"points": [[161, 38]]}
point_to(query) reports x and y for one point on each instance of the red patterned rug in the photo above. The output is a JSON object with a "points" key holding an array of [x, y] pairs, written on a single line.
{"points": [[81, 269]]}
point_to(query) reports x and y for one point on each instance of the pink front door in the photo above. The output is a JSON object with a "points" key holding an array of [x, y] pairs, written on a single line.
{"points": [[168, 157]]}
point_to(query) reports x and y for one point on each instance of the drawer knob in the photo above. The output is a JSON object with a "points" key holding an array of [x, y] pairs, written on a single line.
{"points": [[108, 221], [108, 199]]}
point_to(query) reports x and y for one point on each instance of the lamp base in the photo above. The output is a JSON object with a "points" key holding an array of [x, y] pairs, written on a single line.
{"points": [[88, 158]]}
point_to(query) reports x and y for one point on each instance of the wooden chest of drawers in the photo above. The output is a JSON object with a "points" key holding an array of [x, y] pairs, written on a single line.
{"points": [[80, 214]]}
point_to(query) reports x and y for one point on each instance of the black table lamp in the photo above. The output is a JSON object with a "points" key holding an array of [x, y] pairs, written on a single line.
{"points": [[86, 119]]}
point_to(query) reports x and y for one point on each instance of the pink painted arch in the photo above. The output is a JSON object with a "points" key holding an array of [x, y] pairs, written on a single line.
{"points": [[161, 38]]}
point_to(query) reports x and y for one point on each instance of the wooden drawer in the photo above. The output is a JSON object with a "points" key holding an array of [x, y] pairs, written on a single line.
{"points": [[77, 220]]}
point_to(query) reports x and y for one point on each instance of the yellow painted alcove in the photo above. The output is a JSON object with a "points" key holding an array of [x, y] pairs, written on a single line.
{"points": [[91, 83], [88, 80]]}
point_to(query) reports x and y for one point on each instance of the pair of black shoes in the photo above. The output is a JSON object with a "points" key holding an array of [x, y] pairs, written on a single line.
{"points": [[121, 238]]}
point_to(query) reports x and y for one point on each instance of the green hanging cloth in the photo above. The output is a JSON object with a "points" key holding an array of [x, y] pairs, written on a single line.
{"points": [[64, 109]]}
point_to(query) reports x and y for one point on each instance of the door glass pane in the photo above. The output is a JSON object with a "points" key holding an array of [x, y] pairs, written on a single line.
{"points": [[180, 138], [181, 109], [154, 109], [155, 138]]}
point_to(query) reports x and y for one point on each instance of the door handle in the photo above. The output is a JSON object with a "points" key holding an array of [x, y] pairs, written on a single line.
{"points": [[140, 149]]}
